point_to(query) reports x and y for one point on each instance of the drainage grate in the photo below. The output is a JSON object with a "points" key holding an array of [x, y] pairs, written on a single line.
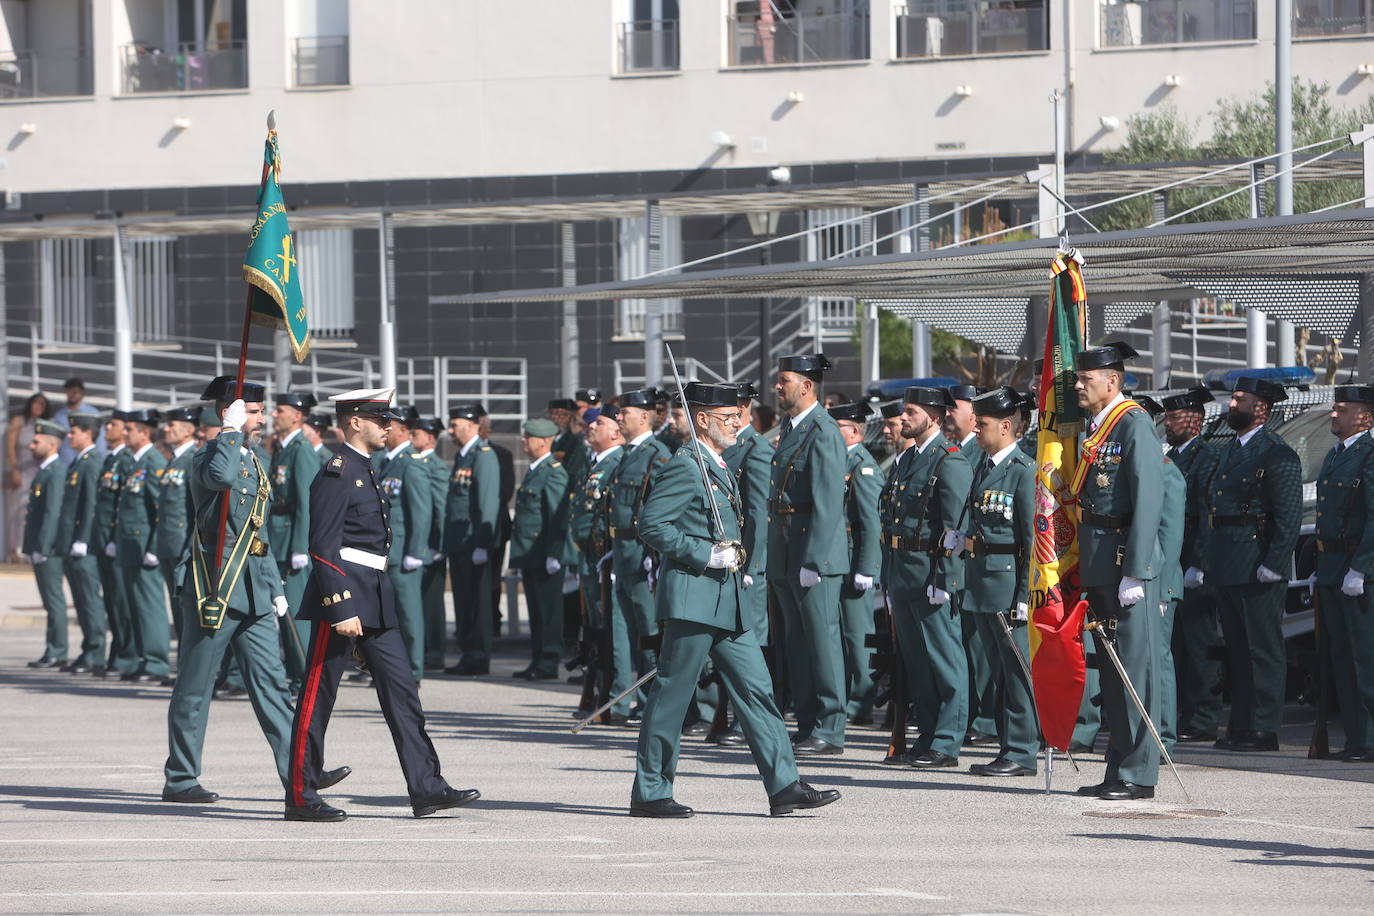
{"points": [[1155, 814]]}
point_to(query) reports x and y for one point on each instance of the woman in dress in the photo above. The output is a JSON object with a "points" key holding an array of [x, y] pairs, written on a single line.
{"points": [[20, 467]]}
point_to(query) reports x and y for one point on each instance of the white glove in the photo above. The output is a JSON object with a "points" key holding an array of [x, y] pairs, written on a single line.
{"points": [[1192, 577], [279, 605], [722, 558], [552, 566], [1267, 576], [601, 563], [435, 556], [111, 550], [1021, 612], [410, 564], [78, 549], [808, 578], [300, 560], [653, 580], [648, 564], [937, 595], [479, 556], [953, 540], [747, 581], [36, 558], [1129, 591], [149, 561], [1353, 584], [863, 583], [235, 415]]}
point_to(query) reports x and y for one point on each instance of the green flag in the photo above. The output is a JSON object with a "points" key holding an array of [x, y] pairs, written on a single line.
{"points": [[270, 265]]}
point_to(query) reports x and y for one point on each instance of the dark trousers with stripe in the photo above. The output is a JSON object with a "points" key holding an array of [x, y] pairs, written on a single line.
{"points": [[387, 658]]}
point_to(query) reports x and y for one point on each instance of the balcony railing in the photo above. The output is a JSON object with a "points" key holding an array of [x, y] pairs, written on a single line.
{"points": [[190, 68], [648, 45], [320, 61], [41, 74], [1155, 22], [1313, 18], [760, 40], [930, 29]]}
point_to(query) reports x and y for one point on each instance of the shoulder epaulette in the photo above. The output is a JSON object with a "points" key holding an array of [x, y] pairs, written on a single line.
{"points": [[335, 466], [417, 455], [485, 448], [951, 448], [555, 464]]}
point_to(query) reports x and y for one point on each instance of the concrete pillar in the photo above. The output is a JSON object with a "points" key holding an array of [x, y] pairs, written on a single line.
{"points": [[1285, 343], [1283, 106], [123, 326], [386, 286], [572, 369], [1047, 206], [920, 350], [1367, 151], [653, 308], [872, 344], [1162, 344], [1256, 339], [281, 362]]}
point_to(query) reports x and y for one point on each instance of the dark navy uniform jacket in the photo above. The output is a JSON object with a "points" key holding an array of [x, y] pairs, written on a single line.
{"points": [[348, 509]]}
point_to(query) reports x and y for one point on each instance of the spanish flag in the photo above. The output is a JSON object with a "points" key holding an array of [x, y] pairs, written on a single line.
{"points": [[1056, 604]]}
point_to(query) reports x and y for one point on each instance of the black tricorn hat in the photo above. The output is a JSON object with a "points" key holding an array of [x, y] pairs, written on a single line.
{"points": [[810, 362], [88, 421], [185, 414], [432, 425], [747, 391], [700, 394], [644, 398], [118, 414], [147, 417], [892, 410], [610, 412], [1107, 356], [321, 421], [928, 397], [302, 402], [407, 415], [1152, 407], [471, 412], [856, 413], [1193, 399], [562, 404], [588, 395], [965, 392], [222, 389], [1261, 388], [1357, 394], [999, 402]]}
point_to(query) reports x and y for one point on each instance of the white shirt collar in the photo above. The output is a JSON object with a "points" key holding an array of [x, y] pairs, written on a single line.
{"points": [[396, 451], [468, 445], [286, 440], [540, 460], [426, 453], [117, 449], [967, 439], [1352, 440], [604, 454], [1003, 454], [854, 446], [358, 450], [47, 461], [1182, 448], [742, 430], [934, 434], [711, 454], [641, 438], [1102, 414], [138, 455], [183, 448], [796, 421], [1244, 438], [89, 448]]}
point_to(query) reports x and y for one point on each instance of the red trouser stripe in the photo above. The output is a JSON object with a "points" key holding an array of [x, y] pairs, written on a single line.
{"points": [[307, 709]]}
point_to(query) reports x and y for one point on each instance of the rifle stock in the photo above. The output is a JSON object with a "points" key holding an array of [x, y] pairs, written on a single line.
{"points": [[1319, 747], [901, 703]]}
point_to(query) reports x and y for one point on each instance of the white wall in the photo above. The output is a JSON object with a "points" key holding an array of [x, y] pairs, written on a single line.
{"points": [[494, 87]]}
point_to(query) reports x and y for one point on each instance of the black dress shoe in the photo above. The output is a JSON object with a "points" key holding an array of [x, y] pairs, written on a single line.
{"points": [[1000, 767], [816, 747], [1091, 791], [138, 677], [523, 674], [100, 671], [67, 668], [902, 759], [195, 795], [435, 666], [318, 813], [860, 720], [975, 738], [78, 668], [699, 727], [46, 662], [931, 760], [1078, 747], [1194, 734], [449, 798], [659, 807], [733, 739], [615, 719], [170, 681], [1361, 756], [542, 676], [470, 670], [1121, 790], [800, 795], [334, 777], [1255, 741]]}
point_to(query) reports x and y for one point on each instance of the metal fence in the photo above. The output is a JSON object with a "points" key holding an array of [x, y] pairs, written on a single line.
{"points": [[648, 45], [789, 37], [1150, 22], [56, 72], [320, 61], [188, 68], [931, 28]]}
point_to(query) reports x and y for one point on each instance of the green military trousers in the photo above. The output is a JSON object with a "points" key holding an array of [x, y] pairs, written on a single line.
{"points": [[982, 695], [686, 648], [122, 657], [294, 582], [856, 625], [815, 656], [48, 575], [1132, 754], [410, 609], [932, 646], [83, 576], [1252, 624], [1349, 625], [1168, 677], [1015, 721], [432, 580], [254, 640], [544, 598], [1196, 670], [473, 619], [146, 593], [635, 609]]}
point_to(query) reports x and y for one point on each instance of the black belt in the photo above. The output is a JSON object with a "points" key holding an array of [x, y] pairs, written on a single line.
{"points": [[286, 509], [624, 534], [778, 508], [1094, 520], [1337, 545], [1242, 521], [914, 545], [981, 549]]}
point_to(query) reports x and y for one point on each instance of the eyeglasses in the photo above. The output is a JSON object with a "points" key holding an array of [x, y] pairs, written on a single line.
{"points": [[732, 417]]}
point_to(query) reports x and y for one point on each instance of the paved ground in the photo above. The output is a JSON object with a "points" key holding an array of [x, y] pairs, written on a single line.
{"points": [[82, 828]]}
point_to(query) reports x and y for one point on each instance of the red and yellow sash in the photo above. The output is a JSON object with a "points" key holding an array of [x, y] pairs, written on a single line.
{"points": [[1088, 454]]}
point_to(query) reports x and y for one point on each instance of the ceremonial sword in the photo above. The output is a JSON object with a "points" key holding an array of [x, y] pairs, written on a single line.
{"points": [[1025, 668]]}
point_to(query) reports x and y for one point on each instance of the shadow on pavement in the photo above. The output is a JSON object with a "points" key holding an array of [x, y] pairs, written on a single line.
{"points": [[1273, 853]]}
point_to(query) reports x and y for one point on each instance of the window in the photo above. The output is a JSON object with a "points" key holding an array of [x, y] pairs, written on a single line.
{"points": [[152, 287], [326, 269], [318, 31], [834, 318], [66, 293], [1152, 22], [772, 32], [47, 49], [633, 262], [1312, 18], [186, 45], [944, 28], [648, 39]]}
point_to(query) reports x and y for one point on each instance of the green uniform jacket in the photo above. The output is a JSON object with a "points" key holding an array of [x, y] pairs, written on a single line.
{"points": [[136, 514], [922, 561], [322, 452], [1345, 513], [863, 487], [222, 466], [473, 501], [971, 450], [113, 469], [570, 450], [1124, 484], [669, 438], [1260, 485], [629, 484], [438, 495], [44, 512], [82, 492], [541, 507], [293, 471], [1001, 515], [587, 515], [1197, 463], [1171, 531], [806, 500], [751, 460], [173, 509], [677, 523], [405, 481]]}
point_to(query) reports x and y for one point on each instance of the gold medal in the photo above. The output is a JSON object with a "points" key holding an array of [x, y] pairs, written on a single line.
{"points": [[1103, 481]]}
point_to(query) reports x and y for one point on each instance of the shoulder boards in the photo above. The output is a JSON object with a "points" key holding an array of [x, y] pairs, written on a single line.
{"points": [[417, 455], [555, 464], [867, 471], [334, 466], [951, 448], [485, 448]]}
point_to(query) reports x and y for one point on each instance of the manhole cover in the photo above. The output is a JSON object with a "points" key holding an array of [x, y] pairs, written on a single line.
{"points": [[1155, 814]]}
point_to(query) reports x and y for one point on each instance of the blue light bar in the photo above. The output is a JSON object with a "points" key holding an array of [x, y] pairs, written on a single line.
{"points": [[1287, 376], [885, 389]]}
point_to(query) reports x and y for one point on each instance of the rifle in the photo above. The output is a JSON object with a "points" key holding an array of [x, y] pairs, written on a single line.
{"points": [[898, 699], [1319, 747]]}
